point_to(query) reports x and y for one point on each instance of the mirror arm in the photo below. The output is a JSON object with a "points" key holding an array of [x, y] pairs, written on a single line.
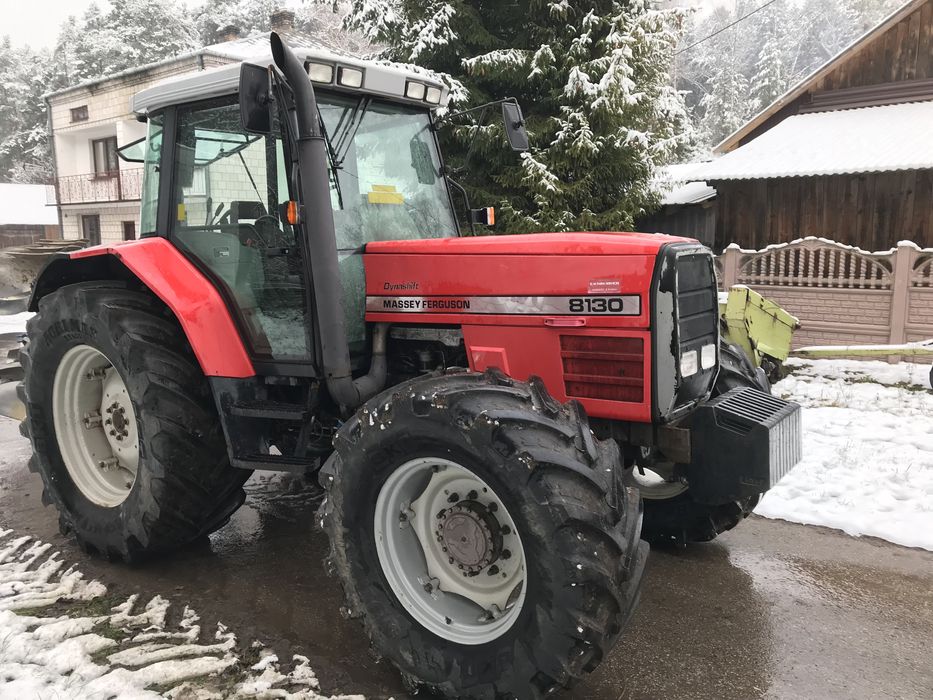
{"points": [[466, 201], [454, 115]]}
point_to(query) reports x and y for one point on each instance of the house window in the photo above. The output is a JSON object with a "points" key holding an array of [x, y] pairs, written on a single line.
{"points": [[79, 114], [90, 228], [129, 230], [105, 156]]}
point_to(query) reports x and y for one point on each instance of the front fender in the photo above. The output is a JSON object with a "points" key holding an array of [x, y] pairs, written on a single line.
{"points": [[161, 267]]}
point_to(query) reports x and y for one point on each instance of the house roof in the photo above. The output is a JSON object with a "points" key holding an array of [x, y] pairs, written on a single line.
{"points": [[735, 138], [25, 205], [869, 139], [678, 185]]}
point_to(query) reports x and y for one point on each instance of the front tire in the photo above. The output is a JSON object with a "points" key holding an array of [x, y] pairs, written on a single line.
{"points": [[507, 467], [672, 516], [123, 425]]}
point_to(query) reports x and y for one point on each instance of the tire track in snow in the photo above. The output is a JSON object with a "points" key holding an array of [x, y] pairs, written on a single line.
{"points": [[130, 651]]}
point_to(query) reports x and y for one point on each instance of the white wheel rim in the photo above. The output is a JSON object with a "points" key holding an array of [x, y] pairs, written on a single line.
{"points": [[95, 426], [652, 486], [416, 517]]}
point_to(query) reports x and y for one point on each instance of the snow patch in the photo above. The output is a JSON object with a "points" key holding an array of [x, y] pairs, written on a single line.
{"points": [[126, 653], [867, 467]]}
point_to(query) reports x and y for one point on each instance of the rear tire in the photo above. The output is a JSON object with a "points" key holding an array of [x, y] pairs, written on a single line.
{"points": [[184, 486], [578, 527], [680, 519]]}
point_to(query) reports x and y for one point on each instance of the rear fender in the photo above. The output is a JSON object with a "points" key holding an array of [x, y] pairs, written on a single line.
{"points": [[159, 266]]}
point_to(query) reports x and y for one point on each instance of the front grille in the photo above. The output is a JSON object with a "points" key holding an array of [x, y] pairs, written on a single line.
{"points": [[603, 367], [697, 303]]}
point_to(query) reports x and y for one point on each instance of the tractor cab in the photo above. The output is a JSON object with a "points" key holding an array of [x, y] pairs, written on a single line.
{"points": [[218, 185]]}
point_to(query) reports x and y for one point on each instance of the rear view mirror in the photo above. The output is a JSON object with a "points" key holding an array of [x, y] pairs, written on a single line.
{"points": [[515, 126], [421, 161], [255, 99]]}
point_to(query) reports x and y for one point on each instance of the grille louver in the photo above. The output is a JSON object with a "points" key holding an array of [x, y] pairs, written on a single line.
{"points": [[601, 367]]}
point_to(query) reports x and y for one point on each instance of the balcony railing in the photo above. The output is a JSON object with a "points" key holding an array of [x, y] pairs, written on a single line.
{"points": [[114, 186]]}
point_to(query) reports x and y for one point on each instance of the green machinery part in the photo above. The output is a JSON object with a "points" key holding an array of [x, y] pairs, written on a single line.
{"points": [[759, 326]]}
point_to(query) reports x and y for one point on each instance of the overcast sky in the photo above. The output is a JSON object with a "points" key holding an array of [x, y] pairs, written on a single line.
{"points": [[36, 22]]}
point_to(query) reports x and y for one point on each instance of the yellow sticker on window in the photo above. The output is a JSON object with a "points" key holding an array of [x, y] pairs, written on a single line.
{"points": [[182, 214], [385, 194]]}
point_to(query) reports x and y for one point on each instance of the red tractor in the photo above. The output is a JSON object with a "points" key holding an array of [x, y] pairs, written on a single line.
{"points": [[298, 300]]}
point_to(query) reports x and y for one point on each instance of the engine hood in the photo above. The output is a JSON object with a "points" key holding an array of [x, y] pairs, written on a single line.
{"points": [[602, 243]]}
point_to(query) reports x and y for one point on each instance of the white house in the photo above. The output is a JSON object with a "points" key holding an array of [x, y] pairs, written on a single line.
{"points": [[97, 192]]}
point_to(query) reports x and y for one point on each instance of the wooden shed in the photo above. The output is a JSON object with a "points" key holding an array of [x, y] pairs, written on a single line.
{"points": [[846, 154]]}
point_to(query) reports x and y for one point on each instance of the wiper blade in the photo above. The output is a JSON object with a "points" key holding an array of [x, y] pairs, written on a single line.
{"points": [[349, 133], [332, 156]]}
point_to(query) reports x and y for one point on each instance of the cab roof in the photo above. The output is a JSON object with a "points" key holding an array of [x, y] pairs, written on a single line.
{"points": [[380, 79]]}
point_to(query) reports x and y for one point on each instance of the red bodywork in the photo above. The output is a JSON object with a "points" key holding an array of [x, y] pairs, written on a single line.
{"points": [[603, 360], [195, 301]]}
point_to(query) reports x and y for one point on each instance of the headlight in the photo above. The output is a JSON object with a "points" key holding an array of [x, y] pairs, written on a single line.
{"points": [[415, 91], [708, 356], [688, 364], [350, 77], [321, 72]]}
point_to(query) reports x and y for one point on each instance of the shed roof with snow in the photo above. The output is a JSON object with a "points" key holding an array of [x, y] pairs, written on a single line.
{"points": [[25, 205], [870, 139]]}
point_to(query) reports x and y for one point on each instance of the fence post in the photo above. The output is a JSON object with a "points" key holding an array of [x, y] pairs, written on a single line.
{"points": [[902, 270], [730, 267]]}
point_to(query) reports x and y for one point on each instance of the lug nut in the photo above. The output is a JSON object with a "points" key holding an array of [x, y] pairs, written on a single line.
{"points": [[453, 498], [472, 496], [506, 554], [506, 530], [493, 570], [493, 507]]}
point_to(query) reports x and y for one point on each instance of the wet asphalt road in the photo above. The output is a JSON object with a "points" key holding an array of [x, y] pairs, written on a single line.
{"points": [[770, 610]]}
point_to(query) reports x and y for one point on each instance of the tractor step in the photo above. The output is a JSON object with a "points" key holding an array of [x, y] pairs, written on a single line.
{"points": [[270, 410], [278, 463]]}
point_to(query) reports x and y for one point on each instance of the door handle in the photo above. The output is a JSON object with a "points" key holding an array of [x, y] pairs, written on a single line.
{"points": [[562, 322]]}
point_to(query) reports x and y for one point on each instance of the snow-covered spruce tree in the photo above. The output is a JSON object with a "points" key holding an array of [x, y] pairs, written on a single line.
{"points": [[129, 34], [593, 81], [24, 147], [770, 79]]}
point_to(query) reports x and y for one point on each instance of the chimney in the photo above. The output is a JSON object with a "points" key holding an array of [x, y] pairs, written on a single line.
{"points": [[228, 33], [282, 21]]}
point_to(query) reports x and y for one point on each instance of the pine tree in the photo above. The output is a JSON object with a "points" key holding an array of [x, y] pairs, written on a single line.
{"points": [[24, 148], [770, 79], [593, 81]]}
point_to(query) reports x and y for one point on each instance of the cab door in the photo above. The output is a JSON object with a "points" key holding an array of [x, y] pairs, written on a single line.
{"points": [[228, 187]]}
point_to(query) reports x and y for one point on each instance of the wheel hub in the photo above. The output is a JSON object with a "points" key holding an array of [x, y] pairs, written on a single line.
{"points": [[95, 426], [450, 550], [471, 535]]}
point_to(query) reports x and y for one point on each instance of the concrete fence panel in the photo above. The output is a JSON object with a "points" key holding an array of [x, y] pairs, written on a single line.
{"points": [[842, 295]]}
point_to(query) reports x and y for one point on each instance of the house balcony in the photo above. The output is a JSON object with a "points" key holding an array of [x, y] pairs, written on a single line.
{"points": [[90, 188]]}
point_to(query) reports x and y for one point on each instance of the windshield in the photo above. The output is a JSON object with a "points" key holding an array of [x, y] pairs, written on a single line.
{"points": [[388, 184]]}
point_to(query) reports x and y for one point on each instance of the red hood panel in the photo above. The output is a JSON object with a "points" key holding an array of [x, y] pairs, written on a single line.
{"points": [[533, 244]]}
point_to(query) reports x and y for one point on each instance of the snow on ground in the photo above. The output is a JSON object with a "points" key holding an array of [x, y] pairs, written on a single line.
{"points": [[867, 465], [61, 637]]}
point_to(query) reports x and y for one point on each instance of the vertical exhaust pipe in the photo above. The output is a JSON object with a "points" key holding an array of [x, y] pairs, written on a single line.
{"points": [[318, 226]]}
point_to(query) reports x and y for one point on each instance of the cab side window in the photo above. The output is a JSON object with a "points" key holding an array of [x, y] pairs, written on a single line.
{"points": [[229, 186]]}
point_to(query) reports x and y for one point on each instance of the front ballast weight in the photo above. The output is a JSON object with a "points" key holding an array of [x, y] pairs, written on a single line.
{"points": [[466, 511]]}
